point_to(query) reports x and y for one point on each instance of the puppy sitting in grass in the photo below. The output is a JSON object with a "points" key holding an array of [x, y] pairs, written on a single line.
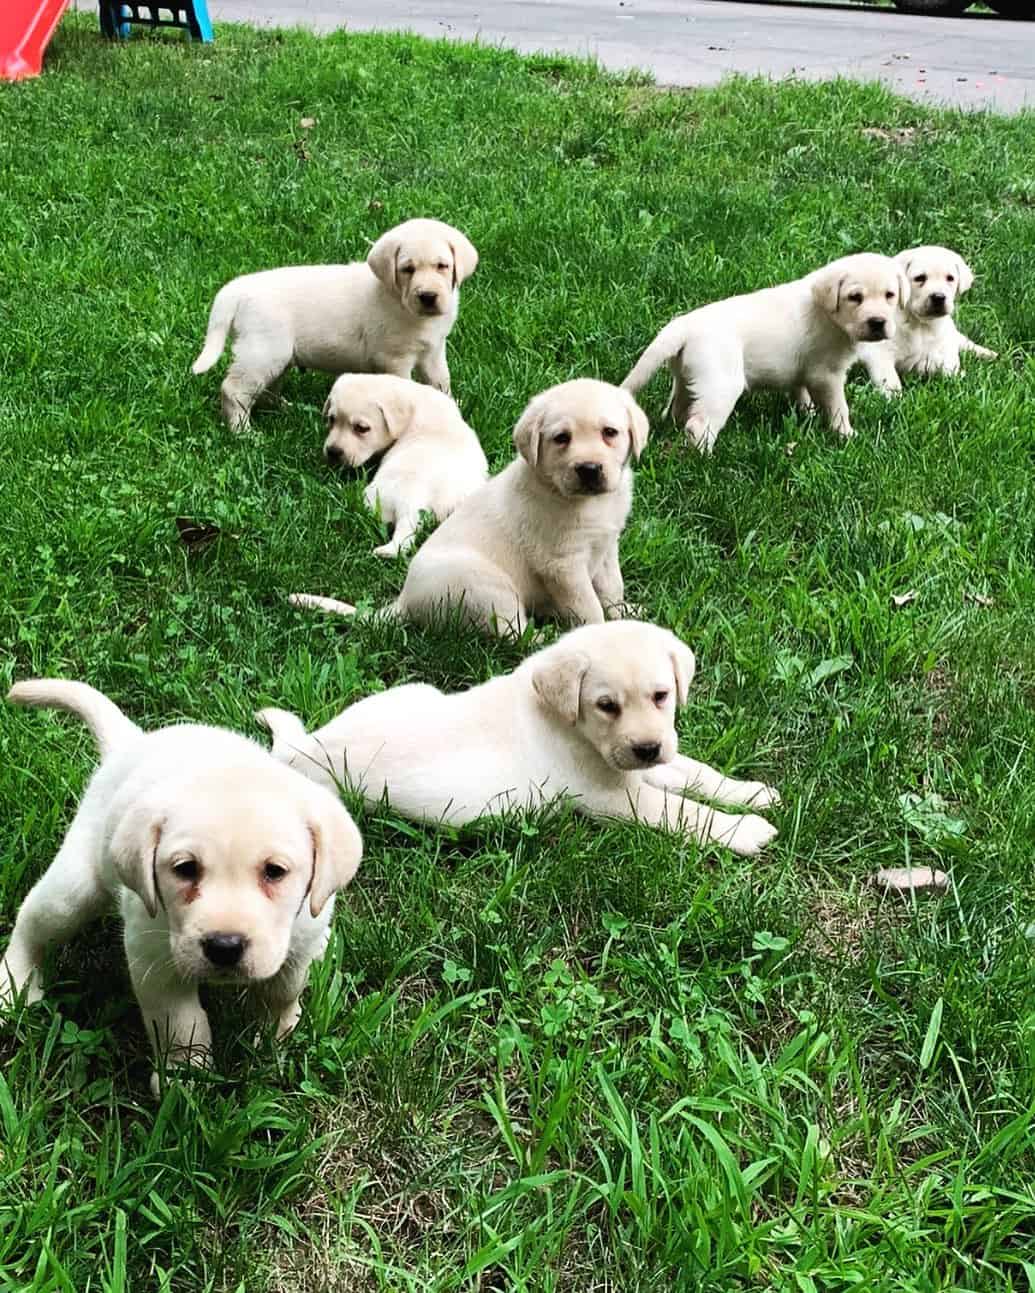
{"points": [[223, 864], [432, 459], [390, 314], [927, 340], [541, 537], [801, 336], [591, 719]]}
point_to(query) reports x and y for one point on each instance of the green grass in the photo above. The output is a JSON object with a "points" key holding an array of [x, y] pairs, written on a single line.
{"points": [[544, 1054]]}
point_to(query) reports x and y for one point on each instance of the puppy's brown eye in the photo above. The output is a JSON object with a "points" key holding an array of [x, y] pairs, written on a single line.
{"points": [[611, 433], [187, 870], [950, 278], [407, 269], [442, 265], [856, 298], [920, 279], [660, 697], [609, 707], [890, 295], [563, 438], [360, 428], [273, 872]]}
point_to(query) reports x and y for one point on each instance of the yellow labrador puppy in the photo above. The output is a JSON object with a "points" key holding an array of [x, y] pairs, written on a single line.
{"points": [[927, 340], [801, 336], [390, 314], [432, 459], [222, 862], [591, 719], [542, 536]]}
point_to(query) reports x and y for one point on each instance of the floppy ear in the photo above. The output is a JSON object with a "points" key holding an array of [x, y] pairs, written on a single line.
{"points": [[325, 412], [337, 848], [398, 411], [965, 275], [558, 683], [684, 666], [528, 432], [826, 290], [133, 847], [905, 288], [903, 260], [638, 425], [383, 258], [465, 258]]}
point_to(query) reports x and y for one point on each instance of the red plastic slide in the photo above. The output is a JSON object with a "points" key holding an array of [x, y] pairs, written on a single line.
{"points": [[25, 28]]}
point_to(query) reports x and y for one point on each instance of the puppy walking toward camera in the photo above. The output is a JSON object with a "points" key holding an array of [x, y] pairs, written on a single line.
{"points": [[927, 340], [801, 336], [390, 314], [591, 718], [223, 864], [541, 537], [432, 459]]}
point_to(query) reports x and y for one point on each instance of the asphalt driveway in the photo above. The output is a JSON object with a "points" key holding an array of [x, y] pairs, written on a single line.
{"points": [[975, 62]]}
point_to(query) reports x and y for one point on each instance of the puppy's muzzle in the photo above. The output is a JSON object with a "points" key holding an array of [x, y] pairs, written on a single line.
{"points": [[877, 328], [590, 477], [937, 304], [648, 753], [224, 951]]}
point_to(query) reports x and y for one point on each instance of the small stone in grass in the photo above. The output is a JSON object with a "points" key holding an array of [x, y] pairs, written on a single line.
{"points": [[917, 879]]}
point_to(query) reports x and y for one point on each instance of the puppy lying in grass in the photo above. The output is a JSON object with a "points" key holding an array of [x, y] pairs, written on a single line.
{"points": [[223, 864], [542, 536], [432, 459], [390, 314], [801, 336], [591, 719], [927, 339]]}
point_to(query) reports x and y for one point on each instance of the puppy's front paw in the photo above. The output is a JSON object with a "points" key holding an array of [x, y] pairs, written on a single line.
{"points": [[758, 795], [750, 835]]}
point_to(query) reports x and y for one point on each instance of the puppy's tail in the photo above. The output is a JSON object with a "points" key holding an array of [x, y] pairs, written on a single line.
{"points": [[288, 732], [667, 343], [220, 321], [310, 601], [109, 725]]}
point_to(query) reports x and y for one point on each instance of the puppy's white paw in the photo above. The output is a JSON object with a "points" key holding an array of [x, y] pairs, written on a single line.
{"points": [[750, 835], [387, 550], [758, 795]]}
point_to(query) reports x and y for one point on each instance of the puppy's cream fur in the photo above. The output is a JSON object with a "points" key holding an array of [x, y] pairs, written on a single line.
{"points": [[591, 718], [801, 336], [927, 340], [432, 459], [223, 864], [390, 314], [542, 536]]}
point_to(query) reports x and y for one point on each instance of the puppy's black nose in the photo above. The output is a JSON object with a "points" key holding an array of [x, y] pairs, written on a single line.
{"points": [[590, 474], [224, 950], [876, 326], [428, 299], [936, 301], [649, 752], [334, 455]]}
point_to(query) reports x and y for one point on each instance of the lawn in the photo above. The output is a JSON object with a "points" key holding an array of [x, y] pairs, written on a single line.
{"points": [[542, 1054]]}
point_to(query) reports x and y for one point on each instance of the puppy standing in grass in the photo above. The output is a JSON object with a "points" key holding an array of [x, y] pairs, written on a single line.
{"points": [[432, 459], [542, 536], [802, 336], [927, 340], [391, 314], [591, 718], [223, 864]]}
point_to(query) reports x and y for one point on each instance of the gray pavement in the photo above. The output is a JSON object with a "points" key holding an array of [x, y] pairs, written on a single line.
{"points": [[974, 62]]}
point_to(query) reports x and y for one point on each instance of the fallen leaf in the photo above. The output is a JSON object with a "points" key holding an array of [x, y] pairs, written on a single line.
{"points": [[307, 123], [979, 599], [790, 447], [903, 599], [196, 534], [917, 879]]}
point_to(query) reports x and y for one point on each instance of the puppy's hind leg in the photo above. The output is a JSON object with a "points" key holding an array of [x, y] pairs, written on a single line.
{"points": [[258, 365], [68, 896], [717, 380]]}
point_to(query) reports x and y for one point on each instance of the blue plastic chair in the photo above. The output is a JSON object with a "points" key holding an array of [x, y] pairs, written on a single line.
{"points": [[191, 16]]}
